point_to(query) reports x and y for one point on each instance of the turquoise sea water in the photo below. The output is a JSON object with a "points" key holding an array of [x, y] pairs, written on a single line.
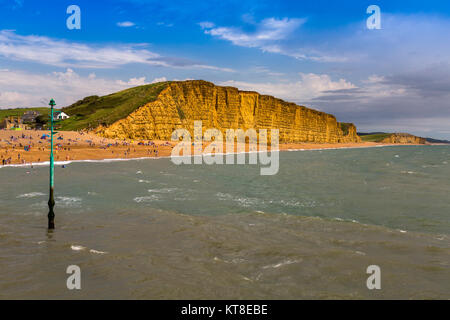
{"points": [[158, 230]]}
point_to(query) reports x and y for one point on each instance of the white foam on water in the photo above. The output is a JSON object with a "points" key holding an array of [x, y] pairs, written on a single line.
{"points": [[248, 202], [77, 248], [151, 198], [82, 248], [295, 203], [68, 201], [243, 201], [163, 190], [97, 252], [281, 264], [31, 195]]}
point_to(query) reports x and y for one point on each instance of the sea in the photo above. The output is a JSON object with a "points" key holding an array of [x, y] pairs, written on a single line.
{"points": [[150, 229]]}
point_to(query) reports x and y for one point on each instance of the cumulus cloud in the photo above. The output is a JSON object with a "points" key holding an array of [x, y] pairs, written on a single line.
{"points": [[24, 89], [140, 81], [162, 79], [134, 82], [309, 86]]}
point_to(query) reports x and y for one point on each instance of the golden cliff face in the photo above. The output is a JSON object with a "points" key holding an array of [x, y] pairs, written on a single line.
{"points": [[404, 138], [182, 103]]}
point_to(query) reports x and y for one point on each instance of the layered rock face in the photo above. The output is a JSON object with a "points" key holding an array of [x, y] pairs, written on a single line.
{"points": [[404, 138], [182, 103]]}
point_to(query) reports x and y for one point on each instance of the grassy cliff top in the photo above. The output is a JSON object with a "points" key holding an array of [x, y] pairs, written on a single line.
{"points": [[94, 111], [376, 137]]}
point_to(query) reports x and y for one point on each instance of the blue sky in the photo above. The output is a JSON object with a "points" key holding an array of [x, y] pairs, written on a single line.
{"points": [[316, 53]]}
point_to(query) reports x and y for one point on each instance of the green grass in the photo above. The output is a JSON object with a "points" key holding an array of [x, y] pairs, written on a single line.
{"points": [[94, 111], [375, 137], [18, 112], [345, 127]]}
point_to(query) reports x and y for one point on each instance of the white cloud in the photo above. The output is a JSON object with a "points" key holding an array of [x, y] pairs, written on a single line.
{"points": [[268, 30], [61, 53], [308, 87], [271, 35], [206, 25], [133, 82], [162, 79], [126, 24], [23, 89], [10, 97]]}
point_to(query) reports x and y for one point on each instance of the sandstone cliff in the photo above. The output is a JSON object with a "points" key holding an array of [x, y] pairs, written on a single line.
{"points": [[182, 103], [404, 138]]}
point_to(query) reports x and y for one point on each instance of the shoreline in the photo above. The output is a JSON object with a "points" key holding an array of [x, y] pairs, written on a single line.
{"points": [[86, 147]]}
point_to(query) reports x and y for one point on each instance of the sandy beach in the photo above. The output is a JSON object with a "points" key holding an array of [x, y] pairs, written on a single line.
{"points": [[29, 146]]}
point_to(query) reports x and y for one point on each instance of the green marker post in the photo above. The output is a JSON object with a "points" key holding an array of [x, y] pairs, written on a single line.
{"points": [[51, 200]]}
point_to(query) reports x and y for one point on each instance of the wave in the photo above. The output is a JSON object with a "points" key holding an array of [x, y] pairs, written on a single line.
{"points": [[281, 264], [81, 248], [31, 195], [153, 197], [248, 202]]}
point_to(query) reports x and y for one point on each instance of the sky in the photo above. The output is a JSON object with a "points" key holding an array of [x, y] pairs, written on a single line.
{"points": [[320, 54]]}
